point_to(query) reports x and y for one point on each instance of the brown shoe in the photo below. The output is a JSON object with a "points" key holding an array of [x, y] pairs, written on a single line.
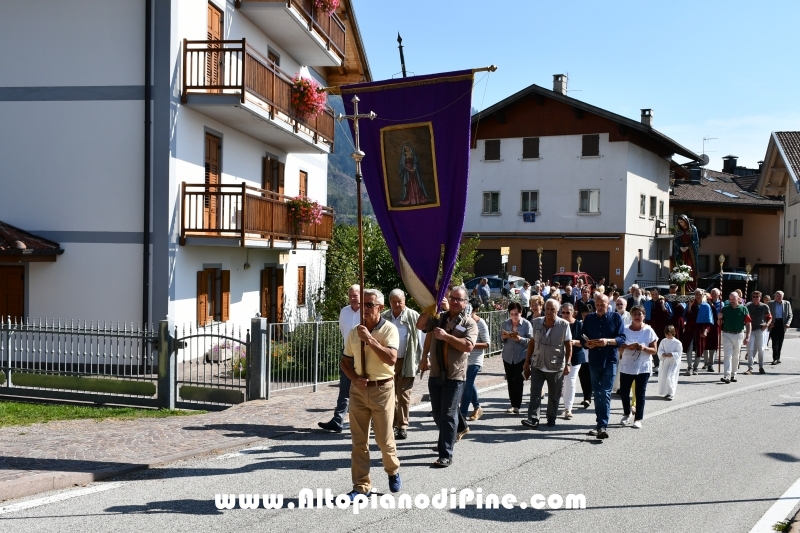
{"points": [[748, 373], [476, 414], [461, 434]]}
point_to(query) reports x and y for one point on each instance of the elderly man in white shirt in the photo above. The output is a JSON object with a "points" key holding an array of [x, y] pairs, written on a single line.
{"points": [[349, 318]]}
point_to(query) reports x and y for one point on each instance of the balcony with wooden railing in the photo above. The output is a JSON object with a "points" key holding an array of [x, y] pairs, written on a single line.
{"points": [[249, 215], [216, 73], [302, 29]]}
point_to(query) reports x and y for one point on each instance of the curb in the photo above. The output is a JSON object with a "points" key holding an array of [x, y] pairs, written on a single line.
{"points": [[45, 482]]}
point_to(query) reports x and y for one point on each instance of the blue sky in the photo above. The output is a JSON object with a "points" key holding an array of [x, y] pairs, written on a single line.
{"points": [[726, 69]]}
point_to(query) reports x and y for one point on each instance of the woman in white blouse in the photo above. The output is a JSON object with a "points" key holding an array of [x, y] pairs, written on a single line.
{"points": [[636, 364]]}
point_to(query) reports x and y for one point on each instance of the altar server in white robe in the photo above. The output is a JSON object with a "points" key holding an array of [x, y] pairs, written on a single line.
{"points": [[669, 354]]}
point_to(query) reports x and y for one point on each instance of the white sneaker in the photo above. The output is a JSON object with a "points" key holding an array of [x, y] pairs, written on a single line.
{"points": [[637, 424], [625, 420]]}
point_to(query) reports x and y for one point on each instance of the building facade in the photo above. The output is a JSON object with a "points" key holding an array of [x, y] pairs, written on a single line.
{"points": [[549, 170], [157, 145]]}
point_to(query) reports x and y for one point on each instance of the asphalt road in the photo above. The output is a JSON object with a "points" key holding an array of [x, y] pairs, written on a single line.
{"points": [[716, 458]]}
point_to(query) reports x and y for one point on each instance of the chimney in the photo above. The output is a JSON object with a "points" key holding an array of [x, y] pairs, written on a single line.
{"points": [[695, 173], [560, 83], [760, 167], [729, 164], [647, 117]]}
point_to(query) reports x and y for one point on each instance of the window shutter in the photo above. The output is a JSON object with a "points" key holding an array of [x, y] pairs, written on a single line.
{"points": [[265, 279], [303, 183], [530, 148], [202, 298], [226, 295], [591, 145], [214, 59], [266, 174], [279, 294], [301, 285], [492, 150], [281, 169], [736, 227]]}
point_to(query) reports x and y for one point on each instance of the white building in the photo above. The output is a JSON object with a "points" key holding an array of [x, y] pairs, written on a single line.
{"points": [[549, 170], [96, 160]]}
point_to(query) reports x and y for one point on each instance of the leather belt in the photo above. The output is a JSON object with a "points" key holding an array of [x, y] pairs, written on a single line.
{"points": [[377, 383]]}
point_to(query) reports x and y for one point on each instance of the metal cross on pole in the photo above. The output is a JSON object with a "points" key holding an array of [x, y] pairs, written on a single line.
{"points": [[357, 156]]}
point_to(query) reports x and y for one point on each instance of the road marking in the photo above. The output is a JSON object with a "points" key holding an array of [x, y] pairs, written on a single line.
{"points": [[779, 511], [58, 497], [427, 405], [737, 390], [242, 453]]}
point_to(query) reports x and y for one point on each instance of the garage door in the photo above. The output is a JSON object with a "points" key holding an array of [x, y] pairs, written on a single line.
{"points": [[489, 263], [596, 264], [530, 264]]}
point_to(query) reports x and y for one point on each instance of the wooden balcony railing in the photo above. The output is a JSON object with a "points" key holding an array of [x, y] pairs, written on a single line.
{"points": [[235, 68], [330, 28], [244, 212]]}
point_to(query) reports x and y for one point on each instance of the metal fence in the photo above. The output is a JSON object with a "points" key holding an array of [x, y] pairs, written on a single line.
{"points": [[87, 361]]}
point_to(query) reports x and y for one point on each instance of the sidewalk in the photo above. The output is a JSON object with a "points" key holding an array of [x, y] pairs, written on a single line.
{"points": [[56, 455]]}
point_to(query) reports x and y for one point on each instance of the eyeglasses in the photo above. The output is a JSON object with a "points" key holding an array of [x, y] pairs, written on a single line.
{"points": [[370, 305], [454, 299], [620, 305], [566, 313]]}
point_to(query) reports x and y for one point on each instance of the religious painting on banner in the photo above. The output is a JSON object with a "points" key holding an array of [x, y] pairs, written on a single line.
{"points": [[415, 170]]}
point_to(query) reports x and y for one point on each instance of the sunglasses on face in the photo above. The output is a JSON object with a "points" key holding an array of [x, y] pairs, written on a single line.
{"points": [[370, 305], [566, 313]]}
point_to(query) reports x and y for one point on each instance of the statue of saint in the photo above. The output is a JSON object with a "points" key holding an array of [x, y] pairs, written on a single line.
{"points": [[685, 247]]}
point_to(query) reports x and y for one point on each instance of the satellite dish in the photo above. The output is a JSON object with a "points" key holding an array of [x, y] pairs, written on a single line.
{"points": [[704, 160]]}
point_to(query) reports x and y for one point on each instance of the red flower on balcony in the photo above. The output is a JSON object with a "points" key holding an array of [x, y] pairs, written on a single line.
{"points": [[308, 98], [327, 6], [303, 212]]}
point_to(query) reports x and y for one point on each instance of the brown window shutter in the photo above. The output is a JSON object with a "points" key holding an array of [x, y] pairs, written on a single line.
{"points": [[202, 298], [737, 228], [530, 148], [279, 294], [301, 285], [303, 183], [266, 276], [226, 296], [591, 145], [213, 60], [266, 174], [492, 150], [281, 169]]}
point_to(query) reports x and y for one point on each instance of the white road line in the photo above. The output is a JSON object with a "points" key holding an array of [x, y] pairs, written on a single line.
{"points": [[737, 390], [242, 453], [58, 497], [427, 405], [779, 511]]}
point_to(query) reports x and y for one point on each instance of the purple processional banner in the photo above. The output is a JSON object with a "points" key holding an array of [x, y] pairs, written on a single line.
{"points": [[416, 169]]}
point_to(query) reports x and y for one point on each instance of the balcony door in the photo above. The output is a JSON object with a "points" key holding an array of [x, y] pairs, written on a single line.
{"points": [[272, 294], [214, 62], [272, 178], [12, 293], [211, 200]]}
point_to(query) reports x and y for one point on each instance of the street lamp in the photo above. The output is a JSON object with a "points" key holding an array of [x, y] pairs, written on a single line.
{"points": [[540, 250], [579, 260], [747, 268]]}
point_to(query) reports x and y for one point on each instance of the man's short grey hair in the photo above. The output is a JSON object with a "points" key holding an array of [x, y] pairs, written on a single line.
{"points": [[461, 288], [634, 286], [397, 293], [356, 288], [551, 303], [376, 293], [779, 292], [484, 279], [600, 296]]}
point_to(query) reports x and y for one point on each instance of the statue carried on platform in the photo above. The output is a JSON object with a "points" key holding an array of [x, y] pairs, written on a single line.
{"points": [[685, 247]]}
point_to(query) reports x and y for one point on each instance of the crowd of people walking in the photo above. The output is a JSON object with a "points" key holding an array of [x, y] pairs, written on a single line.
{"points": [[562, 337]]}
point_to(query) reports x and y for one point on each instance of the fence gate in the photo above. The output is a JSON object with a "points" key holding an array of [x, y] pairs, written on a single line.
{"points": [[93, 362], [211, 366]]}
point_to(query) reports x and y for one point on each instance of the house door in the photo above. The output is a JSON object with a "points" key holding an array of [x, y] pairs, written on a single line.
{"points": [[211, 200], [214, 60], [12, 293], [272, 294]]}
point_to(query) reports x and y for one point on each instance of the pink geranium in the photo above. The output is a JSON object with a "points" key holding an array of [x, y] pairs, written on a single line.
{"points": [[327, 6], [308, 98]]}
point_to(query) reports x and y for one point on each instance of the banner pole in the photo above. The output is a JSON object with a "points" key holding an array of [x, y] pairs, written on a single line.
{"points": [[357, 156]]}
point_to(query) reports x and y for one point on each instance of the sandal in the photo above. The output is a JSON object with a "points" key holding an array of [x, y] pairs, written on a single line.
{"points": [[442, 463]]}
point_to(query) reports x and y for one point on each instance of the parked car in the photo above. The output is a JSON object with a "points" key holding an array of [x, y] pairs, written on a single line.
{"points": [[711, 282], [496, 284], [571, 278]]}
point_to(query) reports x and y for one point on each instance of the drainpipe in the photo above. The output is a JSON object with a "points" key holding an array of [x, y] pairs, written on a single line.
{"points": [[148, 52]]}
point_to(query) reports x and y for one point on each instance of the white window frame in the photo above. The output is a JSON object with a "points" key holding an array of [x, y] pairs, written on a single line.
{"points": [[521, 210], [487, 195], [591, 196]]}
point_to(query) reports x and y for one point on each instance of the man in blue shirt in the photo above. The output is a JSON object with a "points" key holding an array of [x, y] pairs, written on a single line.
{"points": [[483, 292], [605, 332]]}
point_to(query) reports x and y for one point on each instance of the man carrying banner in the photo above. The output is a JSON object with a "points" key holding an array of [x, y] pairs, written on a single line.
{"points": [[372, 397], [453, 340]]}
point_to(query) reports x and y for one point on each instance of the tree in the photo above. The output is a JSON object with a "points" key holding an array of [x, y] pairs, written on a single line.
{"points": [[379, 270]]}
